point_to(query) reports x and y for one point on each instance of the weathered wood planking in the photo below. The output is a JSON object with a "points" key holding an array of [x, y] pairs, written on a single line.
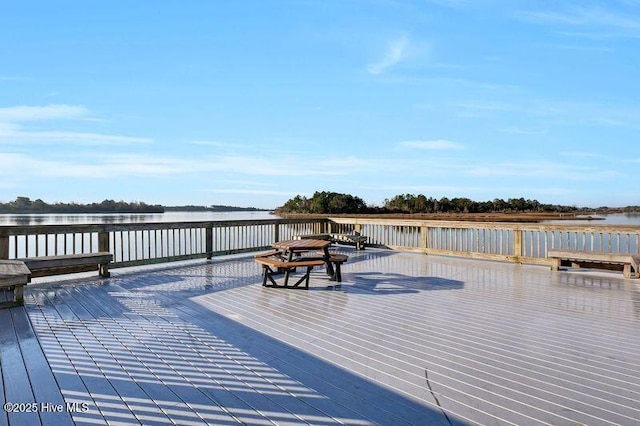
{"points": [[17, 386], [43, 384]]}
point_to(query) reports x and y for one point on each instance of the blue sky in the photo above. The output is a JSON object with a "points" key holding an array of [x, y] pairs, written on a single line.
{"points": [[250, 103]]}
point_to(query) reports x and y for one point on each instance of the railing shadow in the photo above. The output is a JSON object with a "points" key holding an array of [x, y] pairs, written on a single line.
{"points": [[137, 348]]}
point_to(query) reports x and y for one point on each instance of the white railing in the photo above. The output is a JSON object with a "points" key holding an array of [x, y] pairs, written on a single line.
{"points": [[516, 242], [145, 243]]}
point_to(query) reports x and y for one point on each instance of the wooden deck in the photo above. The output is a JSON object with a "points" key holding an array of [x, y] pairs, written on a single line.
{"points": [[405, 339]]}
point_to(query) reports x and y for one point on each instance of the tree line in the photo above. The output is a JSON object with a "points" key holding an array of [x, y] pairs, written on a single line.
{"points": [[24, 205], [333, 202]]}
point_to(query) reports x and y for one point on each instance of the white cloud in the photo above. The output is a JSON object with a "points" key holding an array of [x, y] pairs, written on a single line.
{"points": [[594, 21], [47, 112], [436, 145], [395, 53], [12, 130], [212, 143], [580, 154], [523, 131], [251, 191], [543, 171], [11, 134], [144, 165]]}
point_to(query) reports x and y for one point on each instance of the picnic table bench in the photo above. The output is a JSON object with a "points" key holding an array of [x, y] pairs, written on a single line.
{"points": [[628, 263], [272, 265]]}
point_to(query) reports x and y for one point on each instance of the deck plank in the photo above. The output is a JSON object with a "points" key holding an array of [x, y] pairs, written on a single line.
{"points": [[43, 384], [17, 388]]}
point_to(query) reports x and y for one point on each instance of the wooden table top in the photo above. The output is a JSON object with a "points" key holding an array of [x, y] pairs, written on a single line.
{"points": [[295, 245]]}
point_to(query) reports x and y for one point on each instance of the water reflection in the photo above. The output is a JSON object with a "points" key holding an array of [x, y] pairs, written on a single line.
{"points": [[76, 219], [21, 220]]}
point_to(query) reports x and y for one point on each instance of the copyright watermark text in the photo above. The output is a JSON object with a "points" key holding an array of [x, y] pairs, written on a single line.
{"points": [[45, 407]]}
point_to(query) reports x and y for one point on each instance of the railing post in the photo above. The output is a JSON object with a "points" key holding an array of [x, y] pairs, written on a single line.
{"points": [[103, 241], [276, 232], [357, 229], [517, 245], [424, 238], [4, 247], [209, 241]]}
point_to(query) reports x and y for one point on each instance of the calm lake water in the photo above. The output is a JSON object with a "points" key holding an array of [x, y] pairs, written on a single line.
{"points": [[609, 219], [79, 219]]}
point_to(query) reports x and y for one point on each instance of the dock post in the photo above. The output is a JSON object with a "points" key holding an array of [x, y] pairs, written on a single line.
{"points": [[209, 241], [103, 241], [4, 247], [517, 246], [276, 232], [424, 238]]}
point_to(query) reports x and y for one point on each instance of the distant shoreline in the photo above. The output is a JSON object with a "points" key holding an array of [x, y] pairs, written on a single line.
{"points": [[468, 217], [24, 205]]}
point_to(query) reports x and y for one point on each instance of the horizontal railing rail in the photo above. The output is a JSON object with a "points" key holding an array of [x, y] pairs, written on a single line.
{"points": [[515, 242], [146, 243]]}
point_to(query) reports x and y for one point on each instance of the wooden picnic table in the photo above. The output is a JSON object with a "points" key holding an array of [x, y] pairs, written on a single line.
{"points": [[291, 248], [290, 255]]}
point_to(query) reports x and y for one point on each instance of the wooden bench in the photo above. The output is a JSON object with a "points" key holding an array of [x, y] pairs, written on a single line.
{"points": [[69, 263], [628, 263], [14, 275], [272, 266], [354, 239]]}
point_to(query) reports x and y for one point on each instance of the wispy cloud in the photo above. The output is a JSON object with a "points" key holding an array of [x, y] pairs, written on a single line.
{"points": [[151, 165], [592, 20], [450, 3], [523, 131], [12, 134], [93, 167], [395, 53], [14, 119], [12, 78], [436, 145], [216, 144], [47, 112], [580, 154], [549, 112], [251, 191], [543, 171]]}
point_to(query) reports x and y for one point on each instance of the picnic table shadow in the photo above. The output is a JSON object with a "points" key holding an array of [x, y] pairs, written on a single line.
{"points": [[378, 283]]}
